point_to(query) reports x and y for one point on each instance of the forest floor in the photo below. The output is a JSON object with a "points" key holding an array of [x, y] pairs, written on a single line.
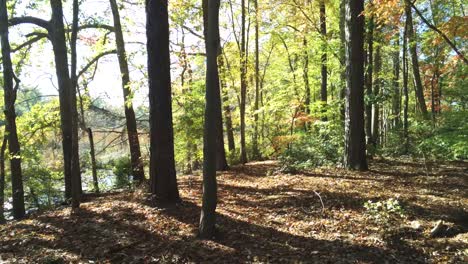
{"points": [[264, 217]]}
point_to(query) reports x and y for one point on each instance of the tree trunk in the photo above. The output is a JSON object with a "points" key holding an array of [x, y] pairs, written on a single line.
{"points": [[132, 131], [405, 89], [376, 108], [305, 76], [227, 107], [10, 117], [93, 160], [419, 89], [396, 85], [255, 150], [209, 200], [323, 32], [355, 145], [221, 163], [163, 181], [243, 97], [342, 58], [68, 113], [2, 176], [369, 79]]}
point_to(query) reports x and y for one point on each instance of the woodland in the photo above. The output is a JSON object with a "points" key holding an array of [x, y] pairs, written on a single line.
{"points": [[234, 131]]}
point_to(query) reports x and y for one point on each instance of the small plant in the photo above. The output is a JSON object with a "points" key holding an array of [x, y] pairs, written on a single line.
{"points": [[385, 212]]}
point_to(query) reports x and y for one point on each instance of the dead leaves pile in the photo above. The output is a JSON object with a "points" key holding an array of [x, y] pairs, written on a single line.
{"points": [[263, 217]]}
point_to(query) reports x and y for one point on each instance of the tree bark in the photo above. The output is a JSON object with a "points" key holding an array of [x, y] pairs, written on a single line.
{"points": [[68, 113], [355, 145], [419, 89], [132, 130], [163, 181], [10, 116], [209, 200]]}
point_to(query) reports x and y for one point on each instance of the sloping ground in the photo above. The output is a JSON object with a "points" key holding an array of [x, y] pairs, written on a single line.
{"points": [[263, 218]]}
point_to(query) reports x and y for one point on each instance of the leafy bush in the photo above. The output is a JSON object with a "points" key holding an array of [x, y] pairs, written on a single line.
{"points": [[322, 146], [122, 168]]}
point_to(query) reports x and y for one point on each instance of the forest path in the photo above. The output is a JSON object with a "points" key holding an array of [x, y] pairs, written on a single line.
{"points": [[264, 216]]}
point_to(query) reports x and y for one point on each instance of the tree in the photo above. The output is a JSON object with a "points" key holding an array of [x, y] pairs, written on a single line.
{"points": [[221, 163], [369, 78], [323, 31], [355, 145], [255, 150], [67, 97], [243, 80], [419, 89], [2, 178], [163, 181], [209, 201], [11, 132], [132, 131]]}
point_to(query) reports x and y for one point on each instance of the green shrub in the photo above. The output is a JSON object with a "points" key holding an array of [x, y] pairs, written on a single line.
{"points": [[122, 169]]}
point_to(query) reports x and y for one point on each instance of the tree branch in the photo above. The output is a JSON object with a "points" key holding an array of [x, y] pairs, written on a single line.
{"points": [[94, 60], [29, 20], [439, 32]]}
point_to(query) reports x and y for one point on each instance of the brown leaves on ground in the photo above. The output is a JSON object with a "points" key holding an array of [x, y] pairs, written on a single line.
{"points": [[263, 217]]}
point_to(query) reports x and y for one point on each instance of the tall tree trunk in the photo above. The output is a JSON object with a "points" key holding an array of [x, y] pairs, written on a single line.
{"points": [[405, 89], [419, 89], [305, 76], [209, 201], [221, 163], [323, 32], [255, 150], [10, 116], [355, 145], [226, 106], [369, 78], [342, 58], [243, 80], [132, 131], [163, 181], [396, 85], [68, 113], [2, 177], [376, 108]]}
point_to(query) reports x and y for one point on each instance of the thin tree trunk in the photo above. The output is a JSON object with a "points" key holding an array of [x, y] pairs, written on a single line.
{"points": [[376, 107], [93, 160], [243, 97], [396, 85], [419, 89], [2, 178], [355, 145], [323, 32], [163, 181], [132, 130], [10, 116], [255, 150], [227, 107], [405, 89], [305, 76], [369, 78], [209, 200], [342, 58]]}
